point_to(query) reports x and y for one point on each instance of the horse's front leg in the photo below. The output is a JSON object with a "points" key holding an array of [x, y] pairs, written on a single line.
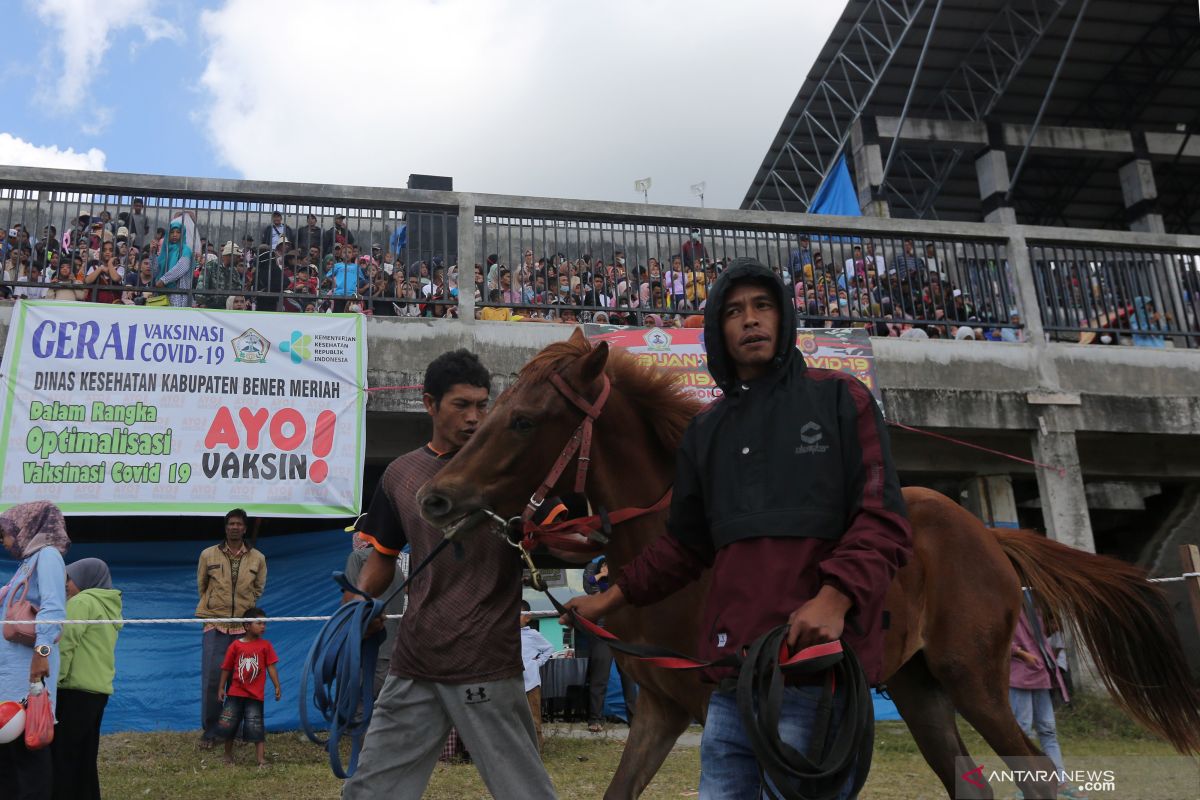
{"points": [[657, 723]]}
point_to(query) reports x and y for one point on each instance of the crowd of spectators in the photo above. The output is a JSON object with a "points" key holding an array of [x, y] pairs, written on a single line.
{"points": [[909, 291]]}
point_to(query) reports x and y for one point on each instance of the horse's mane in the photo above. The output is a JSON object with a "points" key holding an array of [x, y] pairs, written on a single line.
{"points": [[654, 392]]}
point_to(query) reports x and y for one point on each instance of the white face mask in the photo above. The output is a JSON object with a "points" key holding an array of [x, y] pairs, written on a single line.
{"points": [[621, 261], [695, 236]]}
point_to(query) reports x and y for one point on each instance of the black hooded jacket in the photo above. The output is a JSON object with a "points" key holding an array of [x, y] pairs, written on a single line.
{"points": [[783, 485]]}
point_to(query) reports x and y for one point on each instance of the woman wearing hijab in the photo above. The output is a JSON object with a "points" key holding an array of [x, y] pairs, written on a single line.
{"points": [[36, 535], [175, 261], [85, 679]]}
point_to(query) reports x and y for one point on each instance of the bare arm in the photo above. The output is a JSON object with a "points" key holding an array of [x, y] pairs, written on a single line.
{"points": [[274, 674], [377, 574], [223, 683]]}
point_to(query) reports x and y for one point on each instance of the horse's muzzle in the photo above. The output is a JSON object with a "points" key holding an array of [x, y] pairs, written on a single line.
{"points": [[435, 507]]}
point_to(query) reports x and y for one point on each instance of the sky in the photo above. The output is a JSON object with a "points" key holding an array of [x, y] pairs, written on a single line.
{"points": [[522, 97]]}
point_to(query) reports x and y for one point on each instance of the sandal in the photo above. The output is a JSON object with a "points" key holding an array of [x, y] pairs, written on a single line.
{"points": [[595, 727]]}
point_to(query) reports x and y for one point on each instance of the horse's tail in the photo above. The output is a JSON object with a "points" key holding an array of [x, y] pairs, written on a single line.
{"points": [[1125, 623]]}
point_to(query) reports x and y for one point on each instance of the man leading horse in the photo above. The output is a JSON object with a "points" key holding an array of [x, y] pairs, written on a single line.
{"points": [[785, 487]]}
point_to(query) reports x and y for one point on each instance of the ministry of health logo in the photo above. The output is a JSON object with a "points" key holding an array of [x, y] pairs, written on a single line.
{"points": [[298, 346]]}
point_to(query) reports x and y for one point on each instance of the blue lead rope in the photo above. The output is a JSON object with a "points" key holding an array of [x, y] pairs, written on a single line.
{"points": [[341, 664]]}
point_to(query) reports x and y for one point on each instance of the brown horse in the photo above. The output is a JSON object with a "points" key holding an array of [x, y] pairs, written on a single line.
{"points": [[953, 608]]}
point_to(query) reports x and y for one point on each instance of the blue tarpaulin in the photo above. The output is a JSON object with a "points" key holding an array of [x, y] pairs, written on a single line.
{"points": [[157, 686]]}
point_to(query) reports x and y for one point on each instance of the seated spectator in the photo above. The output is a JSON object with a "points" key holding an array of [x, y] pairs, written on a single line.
{"points": [[237, 302], [495, 313], [408, 304], [595, 296], [1146, 317], [103, 274], [62, 285], [381, 295]]}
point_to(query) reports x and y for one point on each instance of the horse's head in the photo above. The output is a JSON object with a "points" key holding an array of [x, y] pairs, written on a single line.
{"points": [[518, 443]]}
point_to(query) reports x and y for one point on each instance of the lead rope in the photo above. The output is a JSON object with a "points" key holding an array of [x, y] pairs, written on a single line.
{"points": [[341, 664]]}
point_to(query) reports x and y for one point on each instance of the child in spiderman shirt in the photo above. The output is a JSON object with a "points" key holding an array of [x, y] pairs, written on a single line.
{"points": [[248, 661]]}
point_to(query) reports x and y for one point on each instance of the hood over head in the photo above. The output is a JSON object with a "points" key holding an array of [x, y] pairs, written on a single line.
{"points": [[741, 270], [89, 573]]}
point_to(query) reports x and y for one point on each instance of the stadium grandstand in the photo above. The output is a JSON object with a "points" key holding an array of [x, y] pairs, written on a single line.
{"points": [[1075, 113]]}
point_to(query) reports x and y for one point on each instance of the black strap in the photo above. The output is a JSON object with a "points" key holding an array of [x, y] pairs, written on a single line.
{"points": [[830, 761]]}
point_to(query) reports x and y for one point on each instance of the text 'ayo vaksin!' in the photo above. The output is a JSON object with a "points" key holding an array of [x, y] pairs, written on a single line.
{"points": [[286, 430]]}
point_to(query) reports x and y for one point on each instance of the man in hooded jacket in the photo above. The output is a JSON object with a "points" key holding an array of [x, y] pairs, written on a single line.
{"points": [[785, 488]]}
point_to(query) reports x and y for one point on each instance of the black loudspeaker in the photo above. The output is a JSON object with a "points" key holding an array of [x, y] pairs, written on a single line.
{"points": [[431, 234]]}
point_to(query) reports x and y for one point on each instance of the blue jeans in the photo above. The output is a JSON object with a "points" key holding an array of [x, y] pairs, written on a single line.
{"points": [[728, 769], [1035, 712]]}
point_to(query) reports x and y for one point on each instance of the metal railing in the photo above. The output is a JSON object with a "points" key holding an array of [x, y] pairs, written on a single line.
{"points": [[405, 253], [1113, 295]]}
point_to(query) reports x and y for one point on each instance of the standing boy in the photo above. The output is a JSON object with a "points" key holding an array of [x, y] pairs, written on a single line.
{"points": [[248, 661]]}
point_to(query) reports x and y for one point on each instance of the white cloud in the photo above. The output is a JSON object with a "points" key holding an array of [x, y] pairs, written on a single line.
{"points": [[83, 32], [102, 117], [20, 153], [527, 97]]}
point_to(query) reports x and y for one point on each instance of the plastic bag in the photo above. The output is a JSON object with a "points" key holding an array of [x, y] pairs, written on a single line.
{"points": [[39, 717]]}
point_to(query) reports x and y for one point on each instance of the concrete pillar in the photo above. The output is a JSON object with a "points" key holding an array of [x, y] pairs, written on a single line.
{"points": [[1064, 501], [868, 168], [1065, 510], [991, 169], [466, 259], [1140, 193], [991, 498], [1027, 300]]}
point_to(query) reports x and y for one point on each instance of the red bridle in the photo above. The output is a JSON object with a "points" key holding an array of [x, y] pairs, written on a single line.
{"points": [[564, 535]]}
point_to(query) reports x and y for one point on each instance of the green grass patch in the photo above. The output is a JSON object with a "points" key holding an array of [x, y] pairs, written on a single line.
{"points": [[168, 765]]}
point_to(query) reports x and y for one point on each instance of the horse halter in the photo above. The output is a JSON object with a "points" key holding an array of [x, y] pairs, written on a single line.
{"points": [[580, 442]]}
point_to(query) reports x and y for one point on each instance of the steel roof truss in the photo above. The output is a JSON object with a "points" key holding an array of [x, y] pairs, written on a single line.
{"points": [[823, 123]]}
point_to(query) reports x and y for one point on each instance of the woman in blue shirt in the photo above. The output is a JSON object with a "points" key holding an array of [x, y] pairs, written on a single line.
{"points": [[36, 535]]}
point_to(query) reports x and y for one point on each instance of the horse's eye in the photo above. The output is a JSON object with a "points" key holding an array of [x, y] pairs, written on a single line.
{"points": [[522, 424]]}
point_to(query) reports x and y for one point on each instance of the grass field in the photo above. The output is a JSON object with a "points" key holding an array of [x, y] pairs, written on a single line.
{"points": [[168, 765]]}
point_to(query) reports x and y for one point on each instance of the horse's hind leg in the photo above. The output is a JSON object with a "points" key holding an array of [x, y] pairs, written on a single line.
{"points": [[656, 725], [929, 714], [981, 695]]}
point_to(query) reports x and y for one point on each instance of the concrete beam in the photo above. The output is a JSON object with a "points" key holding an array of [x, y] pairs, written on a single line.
{"points": [[1049, 138]]}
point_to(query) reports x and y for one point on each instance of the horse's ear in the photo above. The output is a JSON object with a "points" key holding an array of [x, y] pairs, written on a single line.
{"points": [[578, 337], [592, 365]]}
